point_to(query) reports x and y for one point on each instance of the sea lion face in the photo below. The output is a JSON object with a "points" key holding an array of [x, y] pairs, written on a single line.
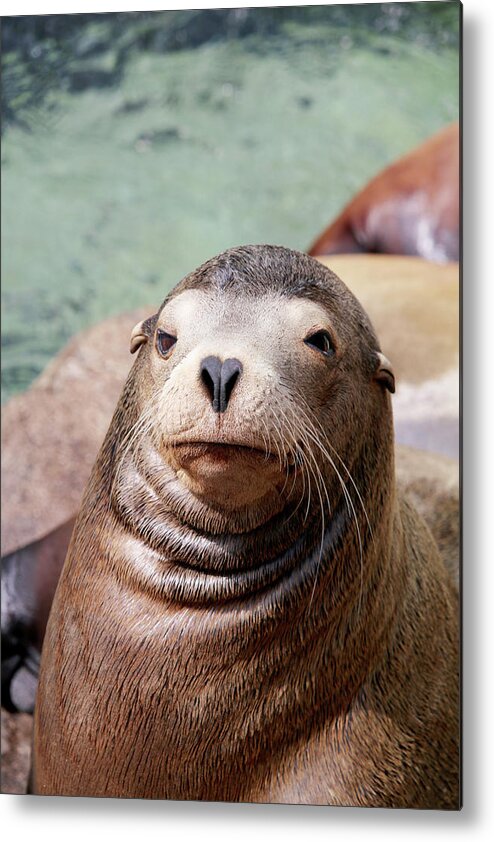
{"points": [[246, 389], [238, 377]]}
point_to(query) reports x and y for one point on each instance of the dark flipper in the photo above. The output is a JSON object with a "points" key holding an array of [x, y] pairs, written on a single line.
{"points": [[29, 580]]}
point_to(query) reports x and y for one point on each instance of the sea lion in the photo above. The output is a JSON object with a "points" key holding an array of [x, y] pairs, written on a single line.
{"points": [[72, 402], [411, 207], [247, 610]]}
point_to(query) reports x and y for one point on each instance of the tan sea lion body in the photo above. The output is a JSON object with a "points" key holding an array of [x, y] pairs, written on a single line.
{"points": [[247, 610], [414, 305], [51, 435]]}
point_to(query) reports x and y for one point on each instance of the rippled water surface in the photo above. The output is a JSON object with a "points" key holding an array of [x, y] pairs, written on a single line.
{"points": [[112, 192]]}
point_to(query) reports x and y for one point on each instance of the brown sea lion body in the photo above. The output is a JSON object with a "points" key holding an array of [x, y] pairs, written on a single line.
{"points": [[52, 433], [247, 610], [429, 480], [411, 207]]}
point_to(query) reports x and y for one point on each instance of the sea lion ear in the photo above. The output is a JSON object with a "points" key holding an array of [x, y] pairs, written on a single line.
{"points": [[384, 373], [141, 333]]}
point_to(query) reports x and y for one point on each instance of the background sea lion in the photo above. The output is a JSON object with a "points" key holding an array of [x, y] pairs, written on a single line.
{"points": [[431, 483], [50, 437], [414, 305], [52, 432], [411, 207], [29, 579], [276, 624]]}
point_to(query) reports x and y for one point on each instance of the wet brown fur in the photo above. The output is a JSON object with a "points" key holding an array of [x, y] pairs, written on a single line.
{"points": [[335, 684]]}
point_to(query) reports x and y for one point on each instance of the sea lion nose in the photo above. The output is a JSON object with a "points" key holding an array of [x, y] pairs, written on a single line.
{"points": [[219, 379]]}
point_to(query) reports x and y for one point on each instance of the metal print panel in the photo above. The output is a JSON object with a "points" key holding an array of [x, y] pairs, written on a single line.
{"points": [[230, 438]]}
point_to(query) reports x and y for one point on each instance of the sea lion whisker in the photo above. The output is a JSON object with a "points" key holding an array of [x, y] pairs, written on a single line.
{"points": [[303, 435], [282, 450], [319, 482], [304, 463], [311, 432], [317, 442], [320, 487], [350, 477], [138, 429], [315, 439], [267, 440]]}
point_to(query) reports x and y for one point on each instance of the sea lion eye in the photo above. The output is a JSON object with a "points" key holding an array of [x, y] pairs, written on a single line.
{"points": [[164, 342], [321, 341]]}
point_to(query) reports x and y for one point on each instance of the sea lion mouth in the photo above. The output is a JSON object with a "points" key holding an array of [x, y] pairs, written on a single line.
{"points": [[222, 451], [231, 475]]}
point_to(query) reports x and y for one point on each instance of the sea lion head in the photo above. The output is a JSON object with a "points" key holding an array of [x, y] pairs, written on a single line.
{"points": [[258, 391]]}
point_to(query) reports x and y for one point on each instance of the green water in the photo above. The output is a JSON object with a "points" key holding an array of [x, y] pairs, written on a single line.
{"points": [[114, 194]]}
